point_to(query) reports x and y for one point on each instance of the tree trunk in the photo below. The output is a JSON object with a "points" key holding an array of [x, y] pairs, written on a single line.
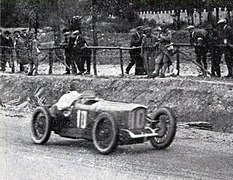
{"points": [[217, 14], [94, 31]]}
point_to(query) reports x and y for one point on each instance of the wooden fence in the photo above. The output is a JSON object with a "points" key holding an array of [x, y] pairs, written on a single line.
{"points": [[121, 49], [52, 55]]}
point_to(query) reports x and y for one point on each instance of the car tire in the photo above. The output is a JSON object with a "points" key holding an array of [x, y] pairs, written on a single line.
{"points": [[167, 130], [41, 125], [105, 133]]}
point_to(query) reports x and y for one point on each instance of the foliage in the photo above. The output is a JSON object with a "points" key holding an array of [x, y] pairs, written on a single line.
{"points": [[56, 13]]}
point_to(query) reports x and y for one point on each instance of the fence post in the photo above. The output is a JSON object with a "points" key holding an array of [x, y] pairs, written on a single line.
{"points": [[178, 61], [94, 61], [121, 63], [50, 61], [12, 60]]}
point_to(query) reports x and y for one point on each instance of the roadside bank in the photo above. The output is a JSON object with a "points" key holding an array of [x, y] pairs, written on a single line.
{"points": [[192, 100]]}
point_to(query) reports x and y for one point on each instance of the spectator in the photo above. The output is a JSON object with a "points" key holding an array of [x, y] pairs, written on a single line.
{"points": [[212, 41], [72, 54], [24, 33], [79, 45], [227, 39], [76, 44], [135, 54], [86, 57], [75, 24], [34, 53], [148, 51], [163, 60], [198, 40], [7, 56], [67, 34], [21, 50]]}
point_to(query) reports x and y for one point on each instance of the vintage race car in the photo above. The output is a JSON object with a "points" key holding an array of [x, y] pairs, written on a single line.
{"points": [[106, 123]]}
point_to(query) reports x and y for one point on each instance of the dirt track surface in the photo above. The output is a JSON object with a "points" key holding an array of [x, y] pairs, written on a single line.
{"points": [[194, 154]]}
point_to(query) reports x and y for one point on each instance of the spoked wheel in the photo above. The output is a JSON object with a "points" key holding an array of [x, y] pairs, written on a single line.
{"points": [[41, 125], [165, 123], [105, 133]]}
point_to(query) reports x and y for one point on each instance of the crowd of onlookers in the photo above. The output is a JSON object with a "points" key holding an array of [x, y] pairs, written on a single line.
{"points": [[26, 48], [155, 55], [76, 53], [215, 42], [151, 51]]}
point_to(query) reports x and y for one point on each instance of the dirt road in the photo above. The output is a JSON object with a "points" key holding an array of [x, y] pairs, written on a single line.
{"points": [[194, 154]]}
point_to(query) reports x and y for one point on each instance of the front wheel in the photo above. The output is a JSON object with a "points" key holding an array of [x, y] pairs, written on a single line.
{"points": [[105, 133], [41, 125], [165, 125]]}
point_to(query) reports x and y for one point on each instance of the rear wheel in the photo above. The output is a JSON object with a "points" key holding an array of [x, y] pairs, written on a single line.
{"points": [[41, 125], [105, 133], [165, 123]]}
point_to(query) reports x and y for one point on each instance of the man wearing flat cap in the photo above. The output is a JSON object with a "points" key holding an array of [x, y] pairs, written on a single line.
{"points": [[212, 41], [7, 55], [227, 39], [135, 54], [149, 49], [76, 44], [198, 41]]}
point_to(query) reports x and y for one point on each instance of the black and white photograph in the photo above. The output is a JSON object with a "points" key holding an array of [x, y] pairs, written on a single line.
{"points": [[116, 89]]}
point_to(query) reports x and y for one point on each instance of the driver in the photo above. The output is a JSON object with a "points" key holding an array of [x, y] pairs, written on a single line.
{"points": [[68, 99]]}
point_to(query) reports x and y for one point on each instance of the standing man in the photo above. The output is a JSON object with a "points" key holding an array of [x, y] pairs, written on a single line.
{"points": [[227, 40], [72, 53], [78, 47], [135, 54], [34, 53], [21, 50], [86, 58], [212, 41], [7, 55], [163, 60], [148, 51], [198, 40], [67, 34]]}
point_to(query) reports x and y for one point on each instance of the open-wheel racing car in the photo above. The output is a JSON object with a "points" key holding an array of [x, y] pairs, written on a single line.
{"points": [[106, 123]]}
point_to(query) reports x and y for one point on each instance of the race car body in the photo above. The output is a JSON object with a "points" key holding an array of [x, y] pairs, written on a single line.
{"points": [[106, 123]]}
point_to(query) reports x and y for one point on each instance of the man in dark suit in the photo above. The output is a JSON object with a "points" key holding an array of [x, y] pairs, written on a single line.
{"points": [[7, 42], [72, 53], [198, 40], [77, 45], [212, 40], [135, 54], [67, 34], [227, 40], [86, 58]]}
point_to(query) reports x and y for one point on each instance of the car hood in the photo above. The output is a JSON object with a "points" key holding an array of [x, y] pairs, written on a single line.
{"points": [[115, 106]]}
